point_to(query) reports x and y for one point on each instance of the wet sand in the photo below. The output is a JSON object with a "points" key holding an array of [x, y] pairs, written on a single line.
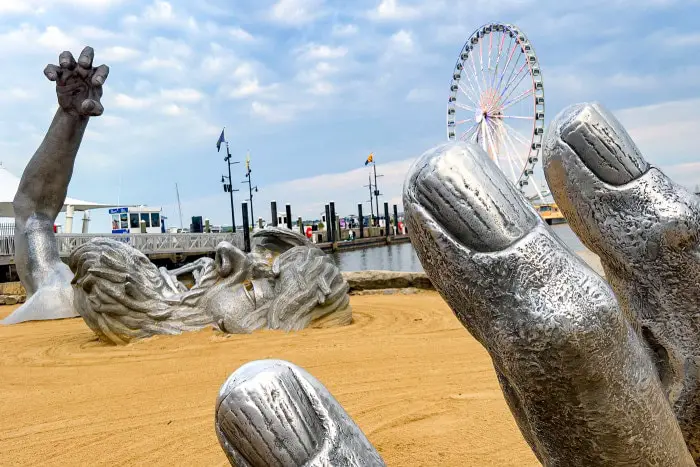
{"points": [[420, 387]]}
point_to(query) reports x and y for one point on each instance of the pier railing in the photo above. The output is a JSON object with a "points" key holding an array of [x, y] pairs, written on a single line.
{"points": [[149, 244]]}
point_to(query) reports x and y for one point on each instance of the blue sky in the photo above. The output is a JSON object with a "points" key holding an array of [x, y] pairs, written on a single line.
{"points": [[310, 87]]}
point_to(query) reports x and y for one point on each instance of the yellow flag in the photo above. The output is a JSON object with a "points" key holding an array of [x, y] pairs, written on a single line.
{"points": [[370, 158], [247, 161]]}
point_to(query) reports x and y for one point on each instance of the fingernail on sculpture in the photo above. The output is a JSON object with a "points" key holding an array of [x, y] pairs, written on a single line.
{"points": [[273, 413], [284, 283]]}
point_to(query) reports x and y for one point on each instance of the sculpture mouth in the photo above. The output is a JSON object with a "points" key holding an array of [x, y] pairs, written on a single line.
{"points": [[460, 192]]}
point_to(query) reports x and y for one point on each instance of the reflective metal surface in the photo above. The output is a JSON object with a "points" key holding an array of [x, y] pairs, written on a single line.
{"points": [[586, 371], [273, 413]]}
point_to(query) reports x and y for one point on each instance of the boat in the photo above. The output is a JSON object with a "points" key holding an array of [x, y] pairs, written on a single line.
{"points": [[550, 213]]}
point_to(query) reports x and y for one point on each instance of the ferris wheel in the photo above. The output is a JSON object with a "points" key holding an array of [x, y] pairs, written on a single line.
{"points": [[497, 101]]}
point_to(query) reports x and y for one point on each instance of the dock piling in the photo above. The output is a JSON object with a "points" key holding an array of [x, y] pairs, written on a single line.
{"points": [[273, 210], [246, 228], [361, 219]]}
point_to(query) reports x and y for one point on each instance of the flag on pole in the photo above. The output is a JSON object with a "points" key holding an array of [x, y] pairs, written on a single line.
{"points": [[221, 140], [247, 162], [370, 158]]}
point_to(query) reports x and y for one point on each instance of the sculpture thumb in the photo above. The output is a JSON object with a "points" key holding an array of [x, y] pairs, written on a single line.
{"points": [[273, 413]]}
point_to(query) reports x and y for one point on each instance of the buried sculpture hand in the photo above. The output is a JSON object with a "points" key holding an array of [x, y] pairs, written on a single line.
{"points": [[593, 375], [43, 187]]}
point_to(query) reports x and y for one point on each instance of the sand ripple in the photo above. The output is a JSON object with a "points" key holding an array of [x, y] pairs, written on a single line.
{"points": [[419, 386]]}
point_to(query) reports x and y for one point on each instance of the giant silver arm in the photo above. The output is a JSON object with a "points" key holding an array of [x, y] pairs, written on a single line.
{"points": [[44, 184]]}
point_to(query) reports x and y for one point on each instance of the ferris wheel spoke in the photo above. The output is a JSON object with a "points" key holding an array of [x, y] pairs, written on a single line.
{"points": [[498, 59], [491, 138], [476, 75], [465, 107], [519, 117], [490, 43], [517, 154], [512, 78], [509, 159], [516, 134], [468, 131], [505, 69], [481, 63], [517, 99], [520, 80], [500, 93], [484, 143], [469, 96]]}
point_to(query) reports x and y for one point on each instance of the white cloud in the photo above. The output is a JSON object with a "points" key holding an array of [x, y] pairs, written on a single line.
{"points": [[124, 101], [251, 87], [296, 12], [344, 30], [15, 94], [321, 52], [241, 34], [187, 95], [40, 6], [118, 54], [392, 10], [271, 114], [159, 11], [420, 95]]}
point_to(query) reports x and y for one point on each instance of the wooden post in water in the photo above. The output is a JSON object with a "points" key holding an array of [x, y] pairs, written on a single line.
{"points": [[288, 208], [396, 221], [387, 223], [246, 228], [334, 233], [362, 221]]}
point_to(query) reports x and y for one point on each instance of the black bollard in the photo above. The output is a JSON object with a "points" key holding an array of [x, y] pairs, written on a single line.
{"points": [[334, 233], [289, 216], [328, 223], [387, 224], [396, 220], [362, 221], [246, 229], [273, 209]]}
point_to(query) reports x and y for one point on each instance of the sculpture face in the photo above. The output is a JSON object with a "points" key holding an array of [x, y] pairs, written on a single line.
{"points": [[122, 296]]}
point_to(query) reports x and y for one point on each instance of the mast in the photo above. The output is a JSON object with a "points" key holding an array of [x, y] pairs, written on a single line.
{"points": [[179, 207]]}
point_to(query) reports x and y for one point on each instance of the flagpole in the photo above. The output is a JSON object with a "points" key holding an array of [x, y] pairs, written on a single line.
{"points": [[230, 191], [228, 187]]}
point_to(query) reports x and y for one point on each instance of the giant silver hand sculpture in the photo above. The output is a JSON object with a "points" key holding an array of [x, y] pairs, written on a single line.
{"points": [[272, 413], [594, 374], [285, 283], [43, 187]]}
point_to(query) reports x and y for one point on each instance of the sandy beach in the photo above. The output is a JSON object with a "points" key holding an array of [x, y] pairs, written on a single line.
{"points": [[421, 388]]}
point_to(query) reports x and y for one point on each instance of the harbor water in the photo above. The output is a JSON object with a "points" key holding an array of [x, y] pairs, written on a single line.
{"points": [[402, 257]]}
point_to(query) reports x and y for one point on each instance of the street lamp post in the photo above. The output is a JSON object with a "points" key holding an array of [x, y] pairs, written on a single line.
{"points": [[250, 187], [227, 187]]}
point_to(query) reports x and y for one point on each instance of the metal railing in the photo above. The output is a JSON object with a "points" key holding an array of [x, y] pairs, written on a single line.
{"points": [[146, 243], [7, 229]]}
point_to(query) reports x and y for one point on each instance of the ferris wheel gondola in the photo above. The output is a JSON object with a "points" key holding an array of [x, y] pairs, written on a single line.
{"points": [[497, 101]]}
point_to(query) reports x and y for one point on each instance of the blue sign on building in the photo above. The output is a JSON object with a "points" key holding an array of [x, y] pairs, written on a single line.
{"points": [[118, 210]]}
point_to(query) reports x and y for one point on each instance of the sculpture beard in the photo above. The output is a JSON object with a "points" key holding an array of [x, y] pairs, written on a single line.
{"points": [[122, 296]]}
